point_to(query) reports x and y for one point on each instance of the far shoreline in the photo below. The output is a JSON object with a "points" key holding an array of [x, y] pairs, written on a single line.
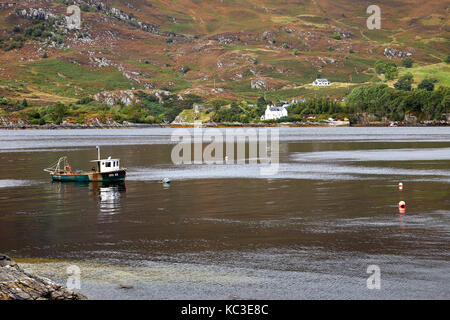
{"points": [[215, 125]]}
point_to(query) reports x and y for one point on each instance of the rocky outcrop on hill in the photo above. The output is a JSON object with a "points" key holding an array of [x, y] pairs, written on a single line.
{"points": [[258, 84], [394, 53], [120, 15], [36, 13], [125, 97], [266, 83], [17, 284], [101, 7]]}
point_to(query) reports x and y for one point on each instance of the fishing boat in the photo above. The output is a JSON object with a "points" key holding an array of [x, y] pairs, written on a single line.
{"points": [[106, 170]]}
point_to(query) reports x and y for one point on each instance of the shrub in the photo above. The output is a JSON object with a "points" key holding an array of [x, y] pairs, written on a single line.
{"points": [[388, 68], [134, 23], [407, 62], [185, 69], [427, 84], [39, 121], [13, 45], [85, 100], [57, 112], [405, 82], [18, 38], [337, 36], [84, 7]]}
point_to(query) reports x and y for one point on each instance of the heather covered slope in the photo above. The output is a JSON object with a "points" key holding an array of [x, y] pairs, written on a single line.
{"points": [[218, 49]]}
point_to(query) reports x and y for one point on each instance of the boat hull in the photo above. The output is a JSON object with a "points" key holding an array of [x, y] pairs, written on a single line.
{"points": [[113, 176]]}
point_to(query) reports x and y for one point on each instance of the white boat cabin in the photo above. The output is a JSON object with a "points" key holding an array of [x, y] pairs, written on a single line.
{"points": [[107, 165]]}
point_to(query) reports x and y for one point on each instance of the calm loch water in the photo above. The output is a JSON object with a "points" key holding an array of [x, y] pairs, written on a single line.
{"points": [[224, 231]]}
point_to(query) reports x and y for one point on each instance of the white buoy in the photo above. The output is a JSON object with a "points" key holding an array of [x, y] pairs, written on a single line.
{"points": [[166, 181], [400, 186]]}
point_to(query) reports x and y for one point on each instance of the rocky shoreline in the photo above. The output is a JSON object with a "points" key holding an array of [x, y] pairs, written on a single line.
{"points": [[78, 126], [17, 284], [20, 126]]}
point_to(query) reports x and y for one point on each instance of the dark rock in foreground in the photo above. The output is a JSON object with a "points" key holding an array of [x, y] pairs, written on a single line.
{"points": [[16, 284]]}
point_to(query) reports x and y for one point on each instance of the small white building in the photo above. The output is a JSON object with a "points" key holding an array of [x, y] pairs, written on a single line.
{"points": [[295, 101], [321, 82], [273, 113]]}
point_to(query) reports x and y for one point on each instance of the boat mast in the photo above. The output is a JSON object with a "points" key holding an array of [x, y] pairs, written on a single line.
{"points": [[98, 162]]}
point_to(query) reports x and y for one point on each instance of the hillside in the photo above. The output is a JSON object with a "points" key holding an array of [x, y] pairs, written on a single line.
{"points": [[217, 49]]}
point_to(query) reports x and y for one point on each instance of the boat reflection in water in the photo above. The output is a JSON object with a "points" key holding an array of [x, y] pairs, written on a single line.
{"points": [[106, 194], [109, 196]]}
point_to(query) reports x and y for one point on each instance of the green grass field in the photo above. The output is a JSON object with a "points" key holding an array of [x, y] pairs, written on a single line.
{"points": [[68, 79], [439, 71], [189, 115]]}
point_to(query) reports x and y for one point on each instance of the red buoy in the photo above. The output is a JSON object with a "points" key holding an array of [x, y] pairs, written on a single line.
{"points": [[402, 206]]}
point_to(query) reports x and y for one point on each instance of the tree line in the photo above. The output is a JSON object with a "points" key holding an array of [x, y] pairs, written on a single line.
{"points": [[379, 100], [383, 101]]}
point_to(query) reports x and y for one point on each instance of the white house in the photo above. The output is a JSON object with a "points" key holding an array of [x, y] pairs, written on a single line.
{"points": [[321, 82], [273, 112], [295, 101]]}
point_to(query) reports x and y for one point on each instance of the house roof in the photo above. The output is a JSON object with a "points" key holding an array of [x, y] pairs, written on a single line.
{"points": [[276, 108], [105, 160]]}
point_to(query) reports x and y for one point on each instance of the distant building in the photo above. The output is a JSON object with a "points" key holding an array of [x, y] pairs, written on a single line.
{"points": [[273, 113], [321, 82], [295, 101]]}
